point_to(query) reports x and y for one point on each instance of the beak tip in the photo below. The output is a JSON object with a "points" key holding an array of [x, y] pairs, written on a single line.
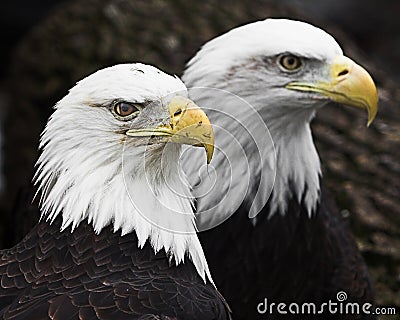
{"points": [[370, 120], [372, 112], [209, 152]]}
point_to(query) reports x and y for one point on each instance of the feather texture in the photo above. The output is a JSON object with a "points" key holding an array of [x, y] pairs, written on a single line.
{"points": [[88, 275]]}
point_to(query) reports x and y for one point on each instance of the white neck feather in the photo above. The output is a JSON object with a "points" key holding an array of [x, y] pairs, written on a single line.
{"points": [[283, 160], [88, 176], [298, 167]]}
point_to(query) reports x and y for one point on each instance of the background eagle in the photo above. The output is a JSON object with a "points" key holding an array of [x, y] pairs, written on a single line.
{"points": [[284, 240]]}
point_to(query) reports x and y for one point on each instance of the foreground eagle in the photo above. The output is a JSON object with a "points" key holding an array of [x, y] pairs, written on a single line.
{"points": [[117, 237], [298, 248]]}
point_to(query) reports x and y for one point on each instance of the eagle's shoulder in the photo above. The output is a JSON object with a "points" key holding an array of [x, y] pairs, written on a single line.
{"points": [[64, 275]]}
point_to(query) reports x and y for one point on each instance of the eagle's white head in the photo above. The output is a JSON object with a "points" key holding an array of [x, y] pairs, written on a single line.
{"points": [[285, 70], [110, 155]]}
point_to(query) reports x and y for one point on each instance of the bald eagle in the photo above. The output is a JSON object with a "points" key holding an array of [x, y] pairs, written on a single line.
{"points": [[283, 239], [117, 238]]}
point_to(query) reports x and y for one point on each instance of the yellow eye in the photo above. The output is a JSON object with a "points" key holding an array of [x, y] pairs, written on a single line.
{"points": [[125, 109], [290, 62]]}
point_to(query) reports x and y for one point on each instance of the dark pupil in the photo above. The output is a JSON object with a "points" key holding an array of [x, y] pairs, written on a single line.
{"points": [[290, 62], [125, 108]]}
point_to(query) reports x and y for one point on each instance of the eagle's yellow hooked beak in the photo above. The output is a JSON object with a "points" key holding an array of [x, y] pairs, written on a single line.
{"points": [[348, 83], [188, 125]]}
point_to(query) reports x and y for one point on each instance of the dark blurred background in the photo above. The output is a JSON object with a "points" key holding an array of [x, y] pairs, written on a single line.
{"points": [[16, 19], [373, 24], [46, 46]]}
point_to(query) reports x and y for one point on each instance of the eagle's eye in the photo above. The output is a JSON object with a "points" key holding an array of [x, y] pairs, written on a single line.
{"points": [[125, 110], [290, 62]]}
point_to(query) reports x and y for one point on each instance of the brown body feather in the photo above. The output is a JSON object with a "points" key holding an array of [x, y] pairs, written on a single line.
{"points": [[81, 275], [290, 258]]}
